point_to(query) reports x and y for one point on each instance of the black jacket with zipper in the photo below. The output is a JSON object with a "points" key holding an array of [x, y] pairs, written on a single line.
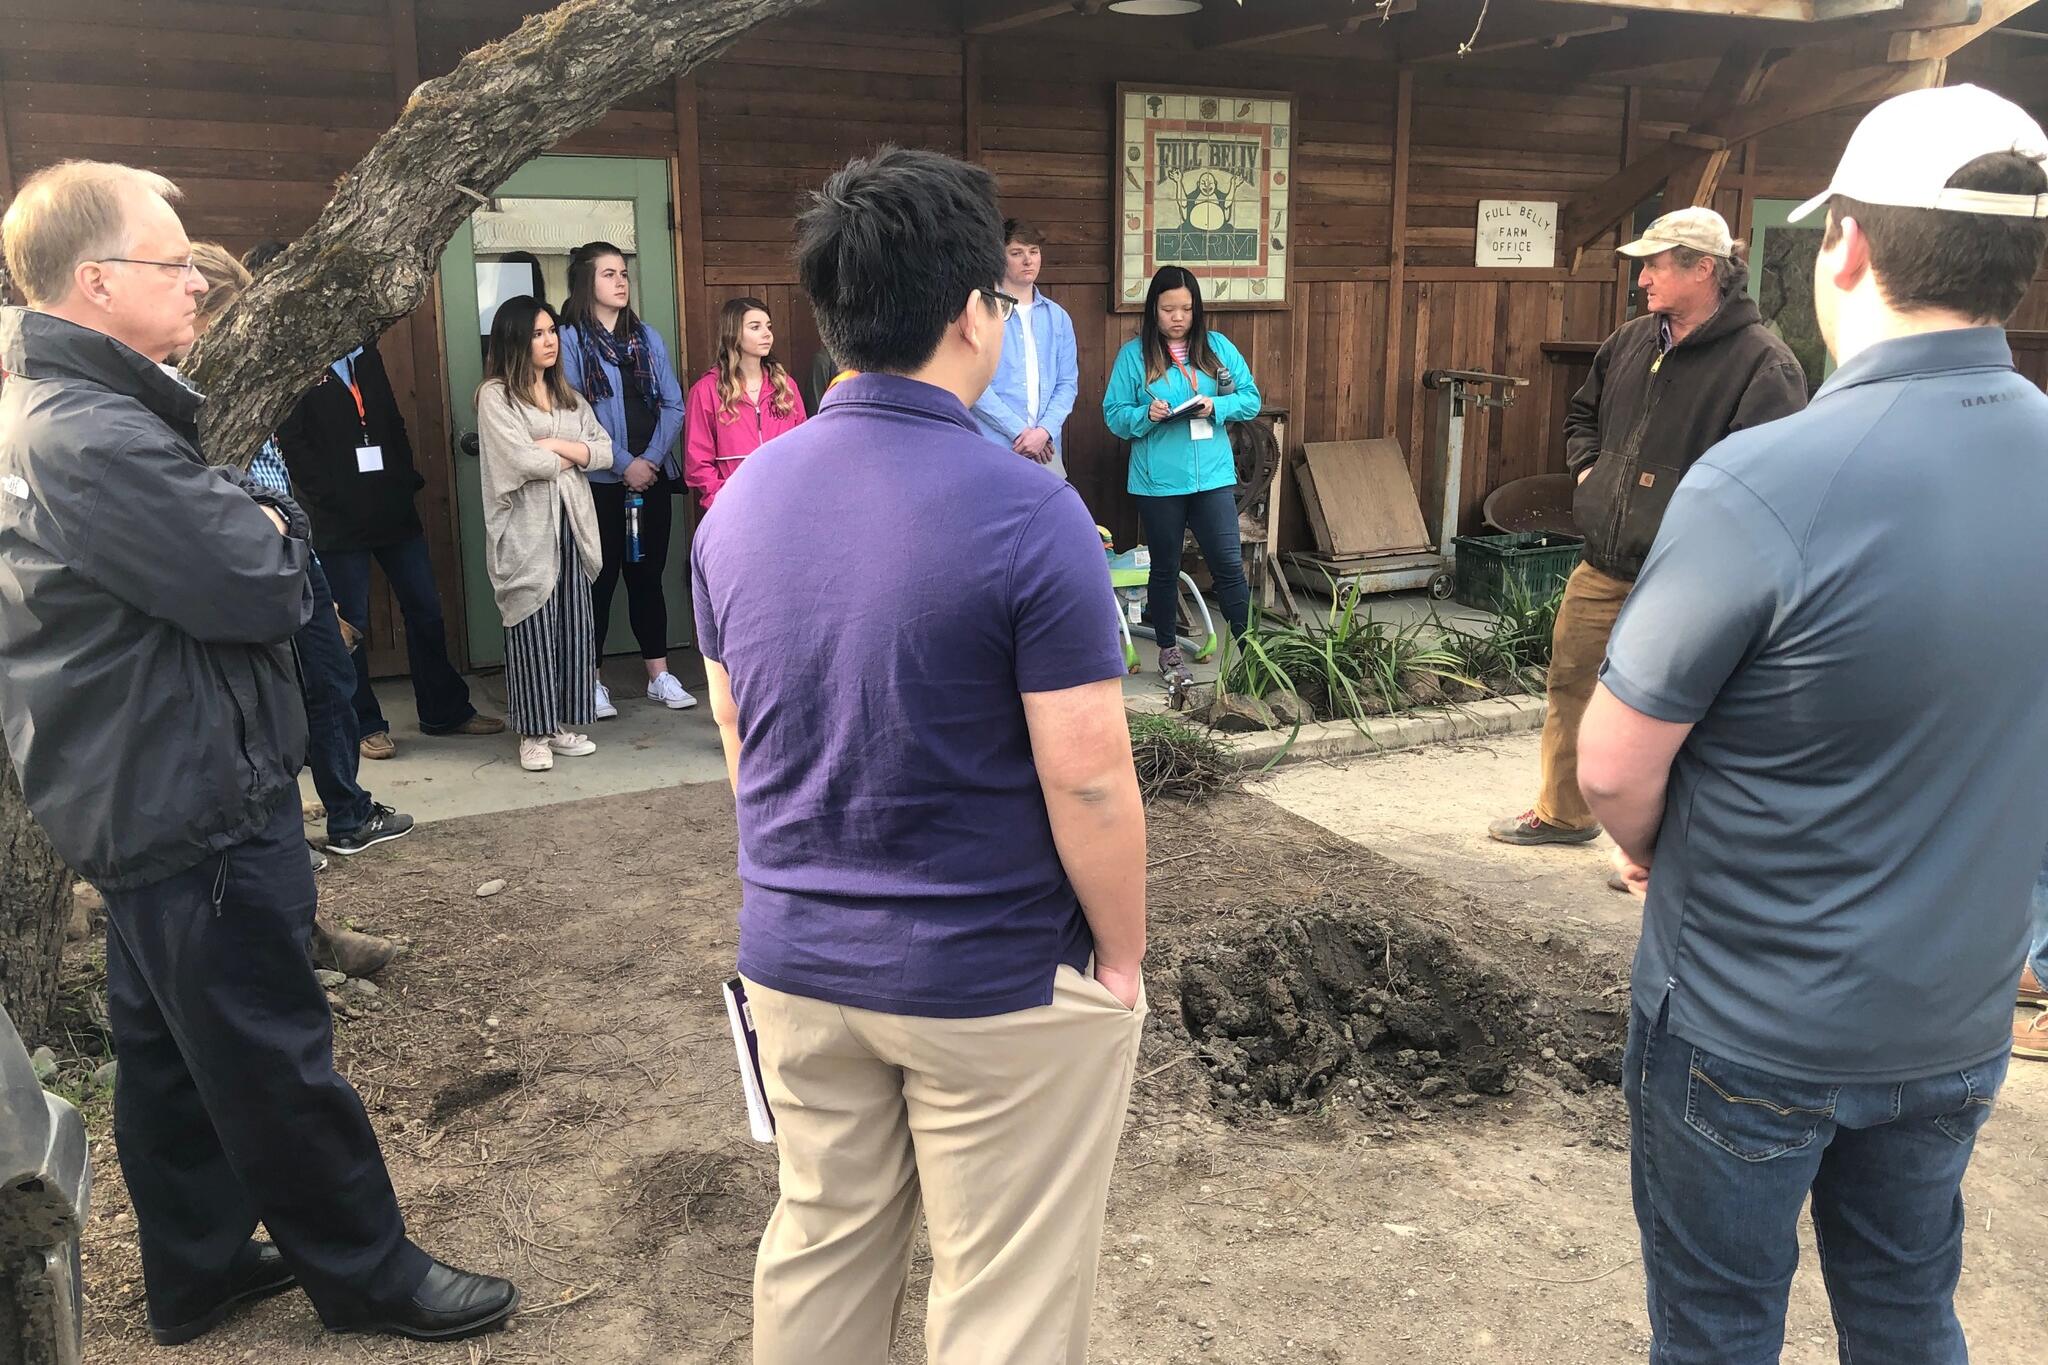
{"points": [[148, 685], [1640, 420], [351, 509]]}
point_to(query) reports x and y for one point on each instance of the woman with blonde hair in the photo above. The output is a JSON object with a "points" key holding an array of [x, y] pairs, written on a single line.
{"points": [[537, 439], [743, 402]]}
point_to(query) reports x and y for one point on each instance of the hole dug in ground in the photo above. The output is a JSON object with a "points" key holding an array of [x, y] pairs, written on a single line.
{"points": [[1325, 1009]]}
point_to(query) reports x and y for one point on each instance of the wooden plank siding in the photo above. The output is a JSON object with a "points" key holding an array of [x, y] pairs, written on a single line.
{"points": [[257, 109]]}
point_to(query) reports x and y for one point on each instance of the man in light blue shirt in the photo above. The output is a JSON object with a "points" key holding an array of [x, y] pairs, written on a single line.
{"points": [[1033, 392]]}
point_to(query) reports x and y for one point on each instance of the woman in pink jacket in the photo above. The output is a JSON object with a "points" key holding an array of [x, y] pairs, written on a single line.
{"points": [[745, 401]]}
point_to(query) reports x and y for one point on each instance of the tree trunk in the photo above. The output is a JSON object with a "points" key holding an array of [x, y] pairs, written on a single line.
{"points": [[35, 904], [371, 256]]}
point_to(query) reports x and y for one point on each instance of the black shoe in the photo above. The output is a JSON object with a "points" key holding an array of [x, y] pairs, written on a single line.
{"points": [[265, 1275], [384, 824], [449, 1304]]}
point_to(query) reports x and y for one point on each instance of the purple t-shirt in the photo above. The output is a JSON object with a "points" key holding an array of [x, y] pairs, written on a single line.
{"points": [[882, 584]]}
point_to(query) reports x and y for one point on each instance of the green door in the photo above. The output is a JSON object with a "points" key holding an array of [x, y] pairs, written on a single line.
{"points": [[521, 244], [1781, 255]]}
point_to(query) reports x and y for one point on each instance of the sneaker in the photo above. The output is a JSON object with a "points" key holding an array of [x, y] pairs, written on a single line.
{"points": [[1173, 666], [384, 825], [534, 754], [570, 744], [605, 709], [2030, 1037], [319, 858], [2030, 987], [666, 690], [1531, 828], [378, 745]]}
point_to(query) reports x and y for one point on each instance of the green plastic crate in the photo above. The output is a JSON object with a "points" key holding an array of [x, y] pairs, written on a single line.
{"points": [[1537, 560]]}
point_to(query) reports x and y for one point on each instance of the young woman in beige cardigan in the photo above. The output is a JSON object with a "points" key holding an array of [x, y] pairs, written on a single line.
{"points": [[536, 439]]}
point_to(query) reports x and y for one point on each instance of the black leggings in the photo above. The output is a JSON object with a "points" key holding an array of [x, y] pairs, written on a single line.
{"points": [[646, 606]]}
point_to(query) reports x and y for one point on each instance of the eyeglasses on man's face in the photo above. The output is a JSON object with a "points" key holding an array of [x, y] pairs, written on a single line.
{"points": [[186, 269], [1005, 304]]}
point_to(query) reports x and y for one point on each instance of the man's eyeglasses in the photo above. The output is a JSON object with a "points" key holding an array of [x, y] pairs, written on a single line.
{"points": [[1005, 305], [185, 268]]}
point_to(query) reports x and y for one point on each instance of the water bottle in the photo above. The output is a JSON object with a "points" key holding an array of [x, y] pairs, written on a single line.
{"points": [[634, 502]]}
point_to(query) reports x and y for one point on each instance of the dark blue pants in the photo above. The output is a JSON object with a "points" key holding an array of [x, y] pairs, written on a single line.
{"points": [[441, 694], [1212, 516], [227, 1107], [328, 676], [1722, 1158]]}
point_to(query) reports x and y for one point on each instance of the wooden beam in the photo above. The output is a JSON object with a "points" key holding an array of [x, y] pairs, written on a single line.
{"points": [[1397, 251], [1591, 212], [1000, 16], [1224, 27], [1696, 176], [1947, 41], [1788, 11], [1862, 85], [693, 315], [1511, 31], [970, 98], [1654, 41]]}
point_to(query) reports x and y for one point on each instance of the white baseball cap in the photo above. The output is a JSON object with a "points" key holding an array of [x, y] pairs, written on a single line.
{"points": [[1701, 229], [1906, 150]]}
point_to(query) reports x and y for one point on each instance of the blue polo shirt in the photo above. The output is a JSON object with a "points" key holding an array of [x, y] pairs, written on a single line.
{"points": [[1846, 604], [883, 584]]}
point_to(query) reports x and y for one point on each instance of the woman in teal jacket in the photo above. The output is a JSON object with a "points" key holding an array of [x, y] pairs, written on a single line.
{"points": [[1171, 390]]}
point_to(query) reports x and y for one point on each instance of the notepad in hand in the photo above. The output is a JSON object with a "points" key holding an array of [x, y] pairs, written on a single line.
{"points": [[760, 1119], [1184, 408]]}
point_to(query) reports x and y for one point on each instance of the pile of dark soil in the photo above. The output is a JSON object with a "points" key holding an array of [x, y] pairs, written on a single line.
{"points": [[1347, 1007]]}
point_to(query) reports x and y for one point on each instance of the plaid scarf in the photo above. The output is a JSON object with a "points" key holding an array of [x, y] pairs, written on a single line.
{"points": [[631, 356]]}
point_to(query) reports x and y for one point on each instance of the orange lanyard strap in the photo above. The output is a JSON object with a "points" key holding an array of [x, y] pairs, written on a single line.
{"points": [[1187, 372], [355, 391]]}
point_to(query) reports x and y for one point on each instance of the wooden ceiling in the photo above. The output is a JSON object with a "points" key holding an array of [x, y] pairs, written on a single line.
{"points": [[1610, 40]]}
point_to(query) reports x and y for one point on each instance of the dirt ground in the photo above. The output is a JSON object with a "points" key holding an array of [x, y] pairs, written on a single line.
{"points": [[1397, 1143]]}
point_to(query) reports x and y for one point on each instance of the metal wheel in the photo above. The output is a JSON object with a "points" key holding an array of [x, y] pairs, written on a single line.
{"points": [[1441, 585]]}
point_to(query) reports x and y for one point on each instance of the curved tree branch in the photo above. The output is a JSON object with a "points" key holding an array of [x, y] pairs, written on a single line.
{"points": [[370, 257]]}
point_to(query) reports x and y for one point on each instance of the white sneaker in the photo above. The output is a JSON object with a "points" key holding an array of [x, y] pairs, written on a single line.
{"points": [[666, 690], [605, 709], [534, 754], [570, 743]]}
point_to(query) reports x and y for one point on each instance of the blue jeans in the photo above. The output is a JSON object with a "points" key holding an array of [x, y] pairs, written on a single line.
{"points": [[1212, 516], [439, 691], [2037, 950], [1722, 1157], [328, 678]]}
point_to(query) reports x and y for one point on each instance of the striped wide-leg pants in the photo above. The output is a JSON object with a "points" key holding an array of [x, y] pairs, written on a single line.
{"points": [[551, 656]]}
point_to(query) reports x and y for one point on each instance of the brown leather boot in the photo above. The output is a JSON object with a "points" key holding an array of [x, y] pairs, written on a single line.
{"points": [[348, 952], [2031, 992]]}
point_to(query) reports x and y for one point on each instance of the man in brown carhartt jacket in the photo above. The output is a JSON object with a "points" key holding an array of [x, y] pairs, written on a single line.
{"points": [[1696, 365]]}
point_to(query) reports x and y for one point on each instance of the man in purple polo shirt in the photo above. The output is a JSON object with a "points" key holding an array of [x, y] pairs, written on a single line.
{"points": [[912, 654]]}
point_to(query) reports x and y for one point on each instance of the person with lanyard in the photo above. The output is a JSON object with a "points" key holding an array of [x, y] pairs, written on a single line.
{"points": [[742, 403], [1028, 402], [351, 463], [620, 365], [327, 680], [1171, 390]]}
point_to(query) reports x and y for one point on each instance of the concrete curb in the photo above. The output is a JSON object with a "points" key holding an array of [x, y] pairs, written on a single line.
{"points": [[1384, 734]]}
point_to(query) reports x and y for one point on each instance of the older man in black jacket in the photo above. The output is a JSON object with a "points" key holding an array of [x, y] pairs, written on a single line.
{"points": [[1697, 364], [152, 711]]}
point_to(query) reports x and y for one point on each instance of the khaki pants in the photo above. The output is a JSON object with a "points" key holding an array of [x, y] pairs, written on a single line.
{"points": [[1592, 600], [1004, 1129]]}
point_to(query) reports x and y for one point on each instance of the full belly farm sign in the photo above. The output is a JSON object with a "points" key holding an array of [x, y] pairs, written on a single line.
{"points": [[1516, 233]]}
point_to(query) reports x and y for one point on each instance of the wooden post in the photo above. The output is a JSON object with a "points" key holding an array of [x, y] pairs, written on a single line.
{"points": [[1632, 113], [689, 232], [970, 98], [1397, 244]]}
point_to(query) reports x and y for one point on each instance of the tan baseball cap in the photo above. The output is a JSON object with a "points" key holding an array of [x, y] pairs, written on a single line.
{"points": [[1703, 230], [1907, 149]]}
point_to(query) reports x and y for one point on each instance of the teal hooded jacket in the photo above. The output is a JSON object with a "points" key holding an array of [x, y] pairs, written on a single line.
{"points": [[1166, 459]]}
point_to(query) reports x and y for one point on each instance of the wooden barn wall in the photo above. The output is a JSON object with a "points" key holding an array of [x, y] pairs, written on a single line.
{"points": [[256, 109]]}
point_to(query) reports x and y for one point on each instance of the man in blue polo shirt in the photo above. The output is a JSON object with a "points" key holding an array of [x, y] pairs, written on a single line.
{"points": [[942, 845], [1817, 742]]}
